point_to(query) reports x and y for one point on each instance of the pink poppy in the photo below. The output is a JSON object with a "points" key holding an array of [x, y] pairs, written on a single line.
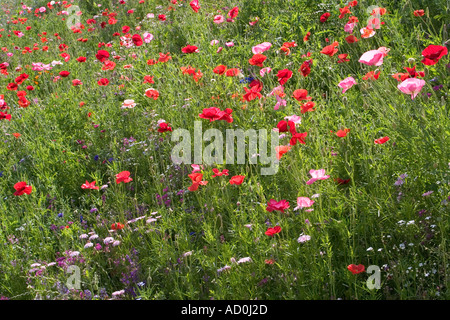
{"points": [[373, 57], [411, 86], [219, 19], [260, 48], [347, 83], [317, 175], [263, 71], [277, 205], [303, 202]]}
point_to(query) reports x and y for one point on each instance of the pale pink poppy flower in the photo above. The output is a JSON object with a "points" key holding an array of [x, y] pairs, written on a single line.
{"points": [[373, 57], [260, 48], [10, 54], [294, 118], [367, 32], [196, 167], [219, 49], [214, 42], [150, 15], [128, 104], [349, 27], [347, 83], [411, 86], [219, 19], [303, 202], [303, 238], [263, 71], [280, 103], [42, 9], [317, 175], [230, 44], [243, 260], [147, 37]]}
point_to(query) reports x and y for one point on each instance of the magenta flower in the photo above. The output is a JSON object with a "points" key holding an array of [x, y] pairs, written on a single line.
{"points": [[280, 103], [277, 205], [263, 71], [303, 202], [219, 19], [317, 175], [347, 83], [411, 86]]}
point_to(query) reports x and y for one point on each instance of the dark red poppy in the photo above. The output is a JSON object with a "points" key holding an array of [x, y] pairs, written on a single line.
{"points": [[189, 49], [137, 40], [164, 127], [324, 17], [102, 55], [64, 73], [103, 82]]}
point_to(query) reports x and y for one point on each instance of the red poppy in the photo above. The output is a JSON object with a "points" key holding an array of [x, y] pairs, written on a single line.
{"points": [[284, 75], [343, 11], [251, 94], [432, 54], [355, 269], [189, 49], [152, 93], [277, 205], [4, 115], [64, 74], [342, 133], [233, 13], [220, 69], [164, 127], [194, 5], [351, 39], [282, 126], [232, 72], [108, 65], [306, 37], [117, 226], [81, 59], [342, 181], [372, 75], [381, 140], [214, 114], [273, 231], [103, 82], [137, 40], [162, 17], [218, 173], [124, 177], [164, 57], [148, 79], [419, 13], [298, 137], [237, 180], [353, 3], [257, 60], [305, 68], [301, 94], [308, 107], [21, 188], [196, 181], [331, 49], [102, 55], [12, 86], [343, 58], [89, 185], [324, 17]]}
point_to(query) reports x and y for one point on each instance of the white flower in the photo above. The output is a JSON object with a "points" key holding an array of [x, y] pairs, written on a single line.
{"points": [[74, 253], [88, 245], [108, 240], [243, 260]]}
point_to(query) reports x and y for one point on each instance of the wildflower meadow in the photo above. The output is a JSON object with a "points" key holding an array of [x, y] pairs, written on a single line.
{"points": [[224, 149]]}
